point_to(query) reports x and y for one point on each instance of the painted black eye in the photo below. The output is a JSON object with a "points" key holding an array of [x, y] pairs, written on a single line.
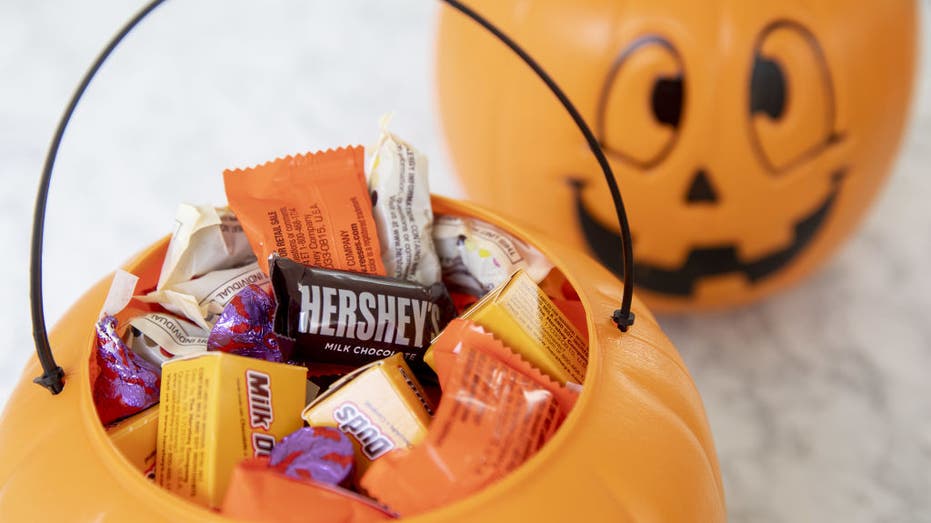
{"points": [[791, 97], [667, 100], [643, 103], [767, 88]]}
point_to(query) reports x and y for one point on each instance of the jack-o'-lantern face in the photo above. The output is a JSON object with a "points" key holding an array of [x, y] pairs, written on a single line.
{"points": [[747, 137], [790, 151]]}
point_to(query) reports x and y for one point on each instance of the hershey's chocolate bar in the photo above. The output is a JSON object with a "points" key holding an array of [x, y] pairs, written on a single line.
{"points": [[350, 318]]}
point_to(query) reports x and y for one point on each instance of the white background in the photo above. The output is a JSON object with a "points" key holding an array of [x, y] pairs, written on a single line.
{"points": [[819, 398]]}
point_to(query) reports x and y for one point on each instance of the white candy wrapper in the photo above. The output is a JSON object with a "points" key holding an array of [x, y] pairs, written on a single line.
{"points": [[403, 213], [202, 299], [205, 239], [159, 337], [120, 293], [477, 256]]}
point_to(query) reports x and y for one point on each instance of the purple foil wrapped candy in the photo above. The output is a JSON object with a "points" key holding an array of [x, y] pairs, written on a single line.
{"points": [[125, 383], [245, 327], [322, 454]]}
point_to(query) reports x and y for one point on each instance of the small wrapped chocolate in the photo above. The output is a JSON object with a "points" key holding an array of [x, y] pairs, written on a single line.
{"points": [[159, 337], [352, 319], [206, 239], [207, 258], [202, 299], [125, 383], [322, 454], [245, 327], [496, 412], [314, 208], [402, 210], [381, 407], [477, 257]]}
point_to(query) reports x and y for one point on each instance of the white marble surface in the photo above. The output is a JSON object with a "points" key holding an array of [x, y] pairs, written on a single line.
{"points": [[820, 398]]}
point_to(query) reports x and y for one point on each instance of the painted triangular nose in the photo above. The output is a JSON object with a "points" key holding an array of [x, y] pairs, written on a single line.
{"points": [[700, 190]]}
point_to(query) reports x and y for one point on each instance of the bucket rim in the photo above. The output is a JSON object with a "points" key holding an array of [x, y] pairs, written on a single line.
{"points": [[122, 469]]}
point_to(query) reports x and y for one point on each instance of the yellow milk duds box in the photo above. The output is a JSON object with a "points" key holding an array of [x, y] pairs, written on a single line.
{"points": [[135, 438], [217, 409], [522, 316], [380, 407]]}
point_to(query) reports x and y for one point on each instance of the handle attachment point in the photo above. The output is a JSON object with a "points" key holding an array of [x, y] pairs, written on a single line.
{"points": [[623, 321], [52, 380]]}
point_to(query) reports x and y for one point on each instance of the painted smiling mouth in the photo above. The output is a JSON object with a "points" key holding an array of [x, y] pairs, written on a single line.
{"points": [[701, 262]]}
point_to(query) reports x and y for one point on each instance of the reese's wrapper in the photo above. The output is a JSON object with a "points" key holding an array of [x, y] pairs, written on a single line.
{"points": [[258, 492], [351, 319], [312, 208], [495, 413], [403, 213]]}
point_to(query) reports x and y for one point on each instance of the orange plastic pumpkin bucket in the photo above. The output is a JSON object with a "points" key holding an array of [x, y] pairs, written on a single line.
{"points": [[750, 137], [636, 446]]}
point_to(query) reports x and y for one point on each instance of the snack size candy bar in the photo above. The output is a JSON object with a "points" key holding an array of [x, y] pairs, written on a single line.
{"points": [[521, 315], [462, 334], [245, 327], [495, 413], [217, 409], [159, 337], [312, 208], [322, 454], [352, 319], [403, 213], [258, 492], [205, 239], [477, 256], [202, 299], [381, 407]]}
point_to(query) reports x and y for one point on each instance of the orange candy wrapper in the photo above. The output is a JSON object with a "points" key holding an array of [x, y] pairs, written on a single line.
{"points": [[496, 412], [313, 208], [258, 492]]}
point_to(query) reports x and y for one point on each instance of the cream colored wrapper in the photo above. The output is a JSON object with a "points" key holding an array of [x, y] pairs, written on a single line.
{"points": [[477, 257], [402, 210], [159, 337], [120, 293], [205, 239], [202, 299]]}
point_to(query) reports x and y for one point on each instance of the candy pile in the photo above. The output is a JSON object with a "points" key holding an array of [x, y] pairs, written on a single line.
{"points": [[326, 348]]}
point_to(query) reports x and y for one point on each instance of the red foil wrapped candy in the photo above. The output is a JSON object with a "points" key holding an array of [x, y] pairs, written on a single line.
{"points": [[245, 327], [125, 383], [323, 454]]}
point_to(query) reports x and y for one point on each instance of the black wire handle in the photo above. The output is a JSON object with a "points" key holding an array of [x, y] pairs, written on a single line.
{"points": [[52, 375]]}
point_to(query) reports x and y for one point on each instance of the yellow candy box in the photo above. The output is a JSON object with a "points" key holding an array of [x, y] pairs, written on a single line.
{"points": [[522, 316], [217, 409], [135, 436], [380, 406]]}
